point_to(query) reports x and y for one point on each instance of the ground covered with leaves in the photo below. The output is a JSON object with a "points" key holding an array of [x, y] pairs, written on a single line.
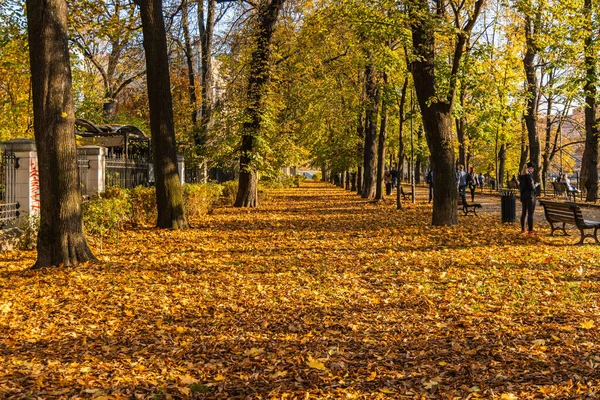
{"points": [[316, 295]]}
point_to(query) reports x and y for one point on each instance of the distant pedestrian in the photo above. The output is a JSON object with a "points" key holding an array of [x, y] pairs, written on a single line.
{"points": [[394, 178], [481, 178], [472, 182], [387, 179], [527, 187], [461, 180], [429, 181]]}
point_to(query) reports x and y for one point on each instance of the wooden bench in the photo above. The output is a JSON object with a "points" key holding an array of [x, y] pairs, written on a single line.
{"points": [[467, 207], [569, 213], [561, 188]]}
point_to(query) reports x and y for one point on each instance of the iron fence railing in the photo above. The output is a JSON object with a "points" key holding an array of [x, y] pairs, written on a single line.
{"points": [[126, 173], [8, 185]]}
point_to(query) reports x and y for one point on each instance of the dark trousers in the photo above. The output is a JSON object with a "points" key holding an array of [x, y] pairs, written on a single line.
{"points": [[388, 189], [528, 204], [472, 189], [430, 192]]}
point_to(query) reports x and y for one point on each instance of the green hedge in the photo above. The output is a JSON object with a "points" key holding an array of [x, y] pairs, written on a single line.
{"points": [[106, 215]]}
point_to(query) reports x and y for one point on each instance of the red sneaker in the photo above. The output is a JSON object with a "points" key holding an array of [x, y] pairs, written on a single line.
{"points": [[523, 232], [532, 233]]}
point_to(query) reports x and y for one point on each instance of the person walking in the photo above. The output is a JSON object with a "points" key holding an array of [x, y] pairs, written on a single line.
{"points": [[527, 187], [472, 181], [461, 180], [429, 180]]}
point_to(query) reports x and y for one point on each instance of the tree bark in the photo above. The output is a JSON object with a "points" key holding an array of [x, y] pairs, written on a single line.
{"points": [[370, 151], [502, 164], [260, 72], [360, 131], [419, 157], [381, 145], [460, 133], [61, 240], [206, 28], [401, 143], [533, 94], [589, 164], [169, 199]]}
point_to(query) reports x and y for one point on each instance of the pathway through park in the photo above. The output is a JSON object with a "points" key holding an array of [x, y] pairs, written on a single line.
{"points": [[317, 294]]}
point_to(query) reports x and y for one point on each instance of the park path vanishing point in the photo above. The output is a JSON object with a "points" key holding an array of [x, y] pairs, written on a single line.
{"points": [[317, 294]]}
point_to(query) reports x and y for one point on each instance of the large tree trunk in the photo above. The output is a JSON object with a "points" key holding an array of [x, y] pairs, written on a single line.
{"points": [[532, 98], [401, 143], [206, 37], [437, 120], [169, 199], [381, 145], [258, 80], [589, 163], [370, 152], [61, 240]]}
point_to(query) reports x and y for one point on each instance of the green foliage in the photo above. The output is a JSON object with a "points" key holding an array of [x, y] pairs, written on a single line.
{"points": [[230, 189], [105, 217], [198, 199], [317, 176], [30, 226]]}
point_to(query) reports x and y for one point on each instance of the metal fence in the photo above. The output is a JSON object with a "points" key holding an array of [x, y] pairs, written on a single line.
{"points": [[83, 165], [9, 208], [127, 173]]}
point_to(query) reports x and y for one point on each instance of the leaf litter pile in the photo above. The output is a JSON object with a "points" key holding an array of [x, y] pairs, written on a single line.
{"points": [[318, 294]]}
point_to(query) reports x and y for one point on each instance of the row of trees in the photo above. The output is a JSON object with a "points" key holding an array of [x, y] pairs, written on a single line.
{"points": [[273, 83]]}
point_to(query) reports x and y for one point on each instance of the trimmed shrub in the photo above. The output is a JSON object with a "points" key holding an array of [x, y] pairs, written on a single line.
{"points": [[199, 199]]}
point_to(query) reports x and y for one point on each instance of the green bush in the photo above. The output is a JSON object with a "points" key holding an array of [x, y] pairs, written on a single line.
{"points": [[105, 217], [230, 189], [199, 199], [143, 205]]}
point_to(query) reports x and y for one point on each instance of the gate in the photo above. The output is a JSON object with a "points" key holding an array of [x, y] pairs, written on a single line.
{"points": [[9, 208]]}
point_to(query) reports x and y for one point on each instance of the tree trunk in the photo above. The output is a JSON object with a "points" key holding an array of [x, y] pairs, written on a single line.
{"points": [[401, 143], [501, 166], [258, 80], [169, 199], [61, 240], [589, 163], [353, 182], [206, 37], [524, 146], [382, 138], [532, 98], [360, 130], [460, 133], [190, 63], [324, 172], [437, 120], [419, 159], [370, 153]]}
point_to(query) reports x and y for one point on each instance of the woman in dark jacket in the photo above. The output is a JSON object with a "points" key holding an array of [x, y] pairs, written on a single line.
{"points": [[527, 188]]}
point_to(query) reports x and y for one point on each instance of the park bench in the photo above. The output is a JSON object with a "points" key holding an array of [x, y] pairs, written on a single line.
{"points": [[561, 188], [405, 195], [568, 213], [465, 206]]}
